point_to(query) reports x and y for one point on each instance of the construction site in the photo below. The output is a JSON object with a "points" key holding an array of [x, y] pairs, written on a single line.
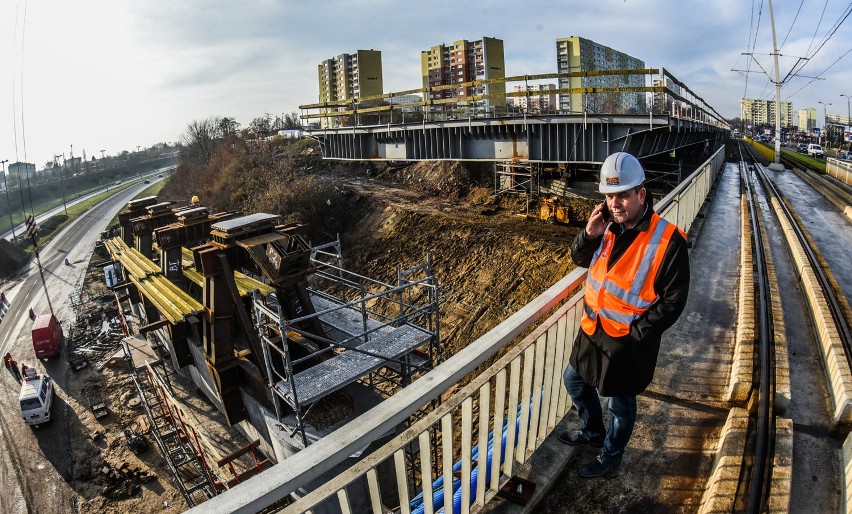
{"points": [[281, 341], [209, 344]]}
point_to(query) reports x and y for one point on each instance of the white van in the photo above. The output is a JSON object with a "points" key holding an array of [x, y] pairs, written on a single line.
{"points": [[36, 397], [815, 150]]}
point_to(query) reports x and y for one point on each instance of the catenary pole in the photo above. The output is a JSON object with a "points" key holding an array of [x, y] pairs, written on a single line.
{"points": [[777, 164]]}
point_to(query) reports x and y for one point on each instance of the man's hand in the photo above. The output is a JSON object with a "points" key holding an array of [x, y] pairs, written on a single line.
{"points": [[596, 226]]}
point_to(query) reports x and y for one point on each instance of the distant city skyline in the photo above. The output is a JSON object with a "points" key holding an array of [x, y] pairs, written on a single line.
{"points": [[114, 75]]}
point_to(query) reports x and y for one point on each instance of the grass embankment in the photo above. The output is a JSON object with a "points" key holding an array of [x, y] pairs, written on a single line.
{"points": [[769, 152]]}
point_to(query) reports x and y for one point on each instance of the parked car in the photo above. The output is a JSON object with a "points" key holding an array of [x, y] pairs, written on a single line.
{"points": [[802, 148], [845, 156], [815, 150]]}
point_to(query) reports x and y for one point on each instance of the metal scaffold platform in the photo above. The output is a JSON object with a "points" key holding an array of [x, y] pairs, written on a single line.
{"points": [[379, 334]]}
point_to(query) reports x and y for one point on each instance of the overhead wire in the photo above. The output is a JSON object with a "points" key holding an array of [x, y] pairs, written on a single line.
{"points": [[796, 17], [752, 42], [829, 34]]}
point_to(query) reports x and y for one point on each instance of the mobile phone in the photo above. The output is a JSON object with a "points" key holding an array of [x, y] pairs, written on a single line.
{"points": [[605, 212]]}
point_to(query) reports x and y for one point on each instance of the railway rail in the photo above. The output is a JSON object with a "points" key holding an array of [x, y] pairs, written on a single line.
{"points": [[833, 295], [753, 492], [825, 300], [836, 192]]}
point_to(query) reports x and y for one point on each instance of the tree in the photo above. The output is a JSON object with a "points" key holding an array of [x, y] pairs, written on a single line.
{"points": [[227, 126], [199, 141], [291, 121], [260, 127]]}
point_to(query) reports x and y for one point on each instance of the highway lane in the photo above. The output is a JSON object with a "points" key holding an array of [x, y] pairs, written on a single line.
{"points": [[37, 462], [21, 229]]}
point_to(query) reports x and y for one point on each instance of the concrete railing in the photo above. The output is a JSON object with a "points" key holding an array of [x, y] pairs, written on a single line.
{"points": [[841, 170], [478, 436]]}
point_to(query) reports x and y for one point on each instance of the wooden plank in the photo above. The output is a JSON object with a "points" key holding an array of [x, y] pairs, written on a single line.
{"points": [[482, 461], [375, 493], [526, 395], [557, 383], [447, 454], [426, 472], [499, 417], [512, 413], [401, 482], [466, 447], [537, 395]]}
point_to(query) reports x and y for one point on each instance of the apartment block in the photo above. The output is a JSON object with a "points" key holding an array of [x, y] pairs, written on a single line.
{"points": [[756, 111], [461, 63], [405, 101], [540, 100], [807, 119], [348, 77], [577, 54], [837, 119], [22, 169]]}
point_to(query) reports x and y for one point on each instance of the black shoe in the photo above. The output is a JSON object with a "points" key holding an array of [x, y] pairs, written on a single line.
{"points": [[599, 466], [578, 438]]}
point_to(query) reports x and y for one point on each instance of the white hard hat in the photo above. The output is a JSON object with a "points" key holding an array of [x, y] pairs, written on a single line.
{"points": [[620, 172]]}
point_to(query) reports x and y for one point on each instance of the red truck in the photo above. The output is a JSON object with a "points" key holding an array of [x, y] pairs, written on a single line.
{"points": [[47, 336]]}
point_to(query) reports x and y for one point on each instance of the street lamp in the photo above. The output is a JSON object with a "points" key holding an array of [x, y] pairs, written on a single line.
{"points": [[824, 120], [6, 188], [848, 110]]}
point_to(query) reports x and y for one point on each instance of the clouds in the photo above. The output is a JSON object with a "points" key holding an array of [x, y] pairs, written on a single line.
{"points": [[114, 74]]}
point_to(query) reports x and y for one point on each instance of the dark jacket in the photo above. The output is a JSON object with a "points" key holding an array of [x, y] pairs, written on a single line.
{"points": [[624, 366]]}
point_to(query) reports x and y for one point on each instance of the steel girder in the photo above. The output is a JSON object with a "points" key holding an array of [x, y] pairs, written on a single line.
{"points": [[549, 139]]}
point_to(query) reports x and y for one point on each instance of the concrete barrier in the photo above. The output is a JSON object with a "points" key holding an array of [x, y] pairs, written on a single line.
{"points": [[739, 381]]}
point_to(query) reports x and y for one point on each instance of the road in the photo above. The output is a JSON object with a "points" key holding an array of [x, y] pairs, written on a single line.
{"points": [[37, 463], [20, 229]]}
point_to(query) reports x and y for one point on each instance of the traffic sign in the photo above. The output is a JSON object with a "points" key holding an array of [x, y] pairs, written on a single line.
{"points": [[32, 227]]}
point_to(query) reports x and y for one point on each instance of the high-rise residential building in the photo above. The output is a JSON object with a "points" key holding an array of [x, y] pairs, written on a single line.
{"points": [[662, 103], [577, 54], [756, 111], [22, 169], [348, 77], [406, 100], [837, 119], [465, 61], [807, 119], [541, 98]]}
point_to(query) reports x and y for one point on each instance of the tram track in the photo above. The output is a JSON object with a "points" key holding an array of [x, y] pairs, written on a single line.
{"points": [[836, 300], [833, 190], [828, 310], [754, 488]]}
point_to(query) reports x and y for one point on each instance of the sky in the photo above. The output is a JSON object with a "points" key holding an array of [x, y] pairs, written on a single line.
{"points": [[112, 75]]}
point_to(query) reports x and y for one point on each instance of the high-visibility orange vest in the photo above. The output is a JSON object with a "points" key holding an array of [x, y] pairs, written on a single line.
{"points": [[620, 295]]}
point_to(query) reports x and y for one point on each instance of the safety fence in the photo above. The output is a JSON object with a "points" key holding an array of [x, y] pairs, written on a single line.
{"points": [[507, 398]]}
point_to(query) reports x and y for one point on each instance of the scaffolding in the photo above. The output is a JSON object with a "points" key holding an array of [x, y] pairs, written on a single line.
{"points": [[199, 471], [516, 178], [378, 334]]}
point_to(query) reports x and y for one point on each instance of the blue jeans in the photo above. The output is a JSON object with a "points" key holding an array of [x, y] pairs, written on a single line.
{"points": [[622, 410]]}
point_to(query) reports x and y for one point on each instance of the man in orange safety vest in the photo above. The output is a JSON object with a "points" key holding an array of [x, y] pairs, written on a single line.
{"points": [[636, 288]]}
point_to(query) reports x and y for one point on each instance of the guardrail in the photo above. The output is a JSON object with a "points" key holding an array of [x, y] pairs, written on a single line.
{"points": [[661, 94], [841, 170], [499, 417]]}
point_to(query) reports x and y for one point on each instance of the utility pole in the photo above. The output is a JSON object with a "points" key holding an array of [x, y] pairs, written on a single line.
{"points": [[6, 188], [32, 230], [777, 166], [61, 183]]}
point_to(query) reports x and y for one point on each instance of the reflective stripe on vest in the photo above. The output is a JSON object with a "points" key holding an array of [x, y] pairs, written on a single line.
{"points": [[622, 294]]}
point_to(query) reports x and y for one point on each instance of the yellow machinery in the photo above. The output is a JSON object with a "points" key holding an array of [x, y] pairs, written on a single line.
{"points": [[552, 210]]}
